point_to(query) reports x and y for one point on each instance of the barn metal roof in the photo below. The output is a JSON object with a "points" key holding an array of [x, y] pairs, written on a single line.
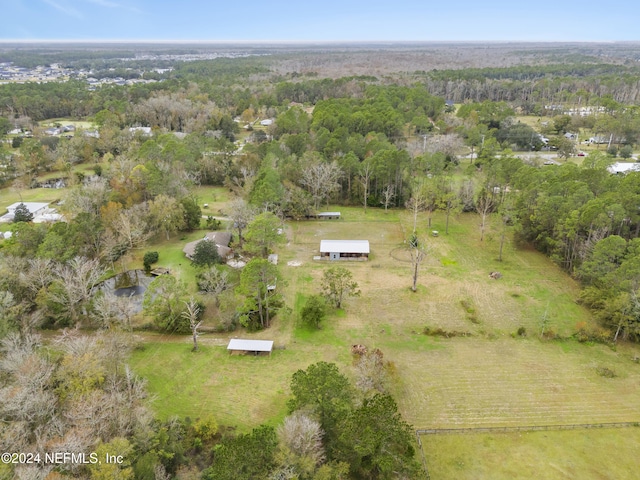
{"points": [[250, 345], [344, 246]]}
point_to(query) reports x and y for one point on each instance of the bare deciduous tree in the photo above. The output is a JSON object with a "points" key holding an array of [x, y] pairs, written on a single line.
{"points": [[88, 197], [241, 215], [214, 281], [419, 253], [415, 205], [366, 171], [76, 278], [112, 312], [38, 275], [449, 144], [192, 314], [388, 194], [484, 206], [321, 179], [371, 373], [303, 437]]}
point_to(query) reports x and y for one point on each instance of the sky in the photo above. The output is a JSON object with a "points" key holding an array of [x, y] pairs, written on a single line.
{"points": [[319, 21]]}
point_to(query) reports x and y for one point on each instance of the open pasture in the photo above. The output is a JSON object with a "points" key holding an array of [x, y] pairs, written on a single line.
{"points": [[545, 455], [490, 378], [472, 382]]}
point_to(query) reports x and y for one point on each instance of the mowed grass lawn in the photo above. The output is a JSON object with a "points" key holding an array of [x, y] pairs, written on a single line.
{"points": [[490, 378], [609, 453]]}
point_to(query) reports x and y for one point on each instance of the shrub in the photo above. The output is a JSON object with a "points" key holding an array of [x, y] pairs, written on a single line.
{"points": [[205, 429], [626, 151], [522, 332], [605, 372], [593, 334], [149, 259], [472, 315], [314, 311], [212, 223], [440, 332]]}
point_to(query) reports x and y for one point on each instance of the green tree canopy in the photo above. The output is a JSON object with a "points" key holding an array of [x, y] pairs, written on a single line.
{"points": [[245, 457], [314, 311], [377, 442], [205, 254], [337, 284], [327, 392], [258, 283], [164, 301], [22, 214], [263, 233]]}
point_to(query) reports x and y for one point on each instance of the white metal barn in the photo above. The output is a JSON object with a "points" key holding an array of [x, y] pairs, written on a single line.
{"points": [[344, 250], [250, 346]]}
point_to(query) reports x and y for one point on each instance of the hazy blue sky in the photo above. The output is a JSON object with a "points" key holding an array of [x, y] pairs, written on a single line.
{"points": [[327, 20]]}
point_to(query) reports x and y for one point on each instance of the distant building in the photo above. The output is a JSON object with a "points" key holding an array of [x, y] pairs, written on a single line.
{"points": [[623, 167], [145, 131], [40, 211], [91, 133]]}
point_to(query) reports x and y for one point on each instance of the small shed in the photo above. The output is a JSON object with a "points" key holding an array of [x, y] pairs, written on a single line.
{"points": [[344, 250], [250, 346], [328, 215]]}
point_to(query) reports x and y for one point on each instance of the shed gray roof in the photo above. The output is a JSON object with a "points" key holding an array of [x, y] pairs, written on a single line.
{"points": [[33, 207], [344, 246], [221, 239], [250, 345]]}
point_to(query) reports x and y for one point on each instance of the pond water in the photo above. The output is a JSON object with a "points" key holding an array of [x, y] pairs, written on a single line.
{"points": [[131, 284], [129, 291]]}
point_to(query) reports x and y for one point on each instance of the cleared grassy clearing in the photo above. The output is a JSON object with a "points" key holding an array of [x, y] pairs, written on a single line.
{"points": [[48, 195], [488, 379], [170, 256], [474, 382], [239, 390], [64, 121], [217, 198], [574, 454]]}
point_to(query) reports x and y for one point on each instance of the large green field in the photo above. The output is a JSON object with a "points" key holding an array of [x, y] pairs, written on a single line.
{"points": [[608, 453], [492, 377]]}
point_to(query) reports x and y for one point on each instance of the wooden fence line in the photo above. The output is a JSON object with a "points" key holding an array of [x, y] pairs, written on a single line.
{"points": [[529, 428], [424, 459]]}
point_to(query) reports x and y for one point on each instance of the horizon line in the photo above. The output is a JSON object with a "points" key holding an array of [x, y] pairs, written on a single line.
{"points": [[296, 42]]}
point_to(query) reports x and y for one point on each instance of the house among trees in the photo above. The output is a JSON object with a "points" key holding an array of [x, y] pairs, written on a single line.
{"points": [[623, 167], [40, 212], [221, 239], [144, 131], [344, 250]]}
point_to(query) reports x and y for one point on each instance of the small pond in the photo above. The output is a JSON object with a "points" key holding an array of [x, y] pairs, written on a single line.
{"points": [[131, 284]]}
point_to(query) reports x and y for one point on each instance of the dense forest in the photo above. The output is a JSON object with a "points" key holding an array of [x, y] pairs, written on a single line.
{"points": [[366, 138]]}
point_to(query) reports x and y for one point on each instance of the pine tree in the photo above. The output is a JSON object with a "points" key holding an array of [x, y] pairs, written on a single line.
{"points": [[22, 214]]}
